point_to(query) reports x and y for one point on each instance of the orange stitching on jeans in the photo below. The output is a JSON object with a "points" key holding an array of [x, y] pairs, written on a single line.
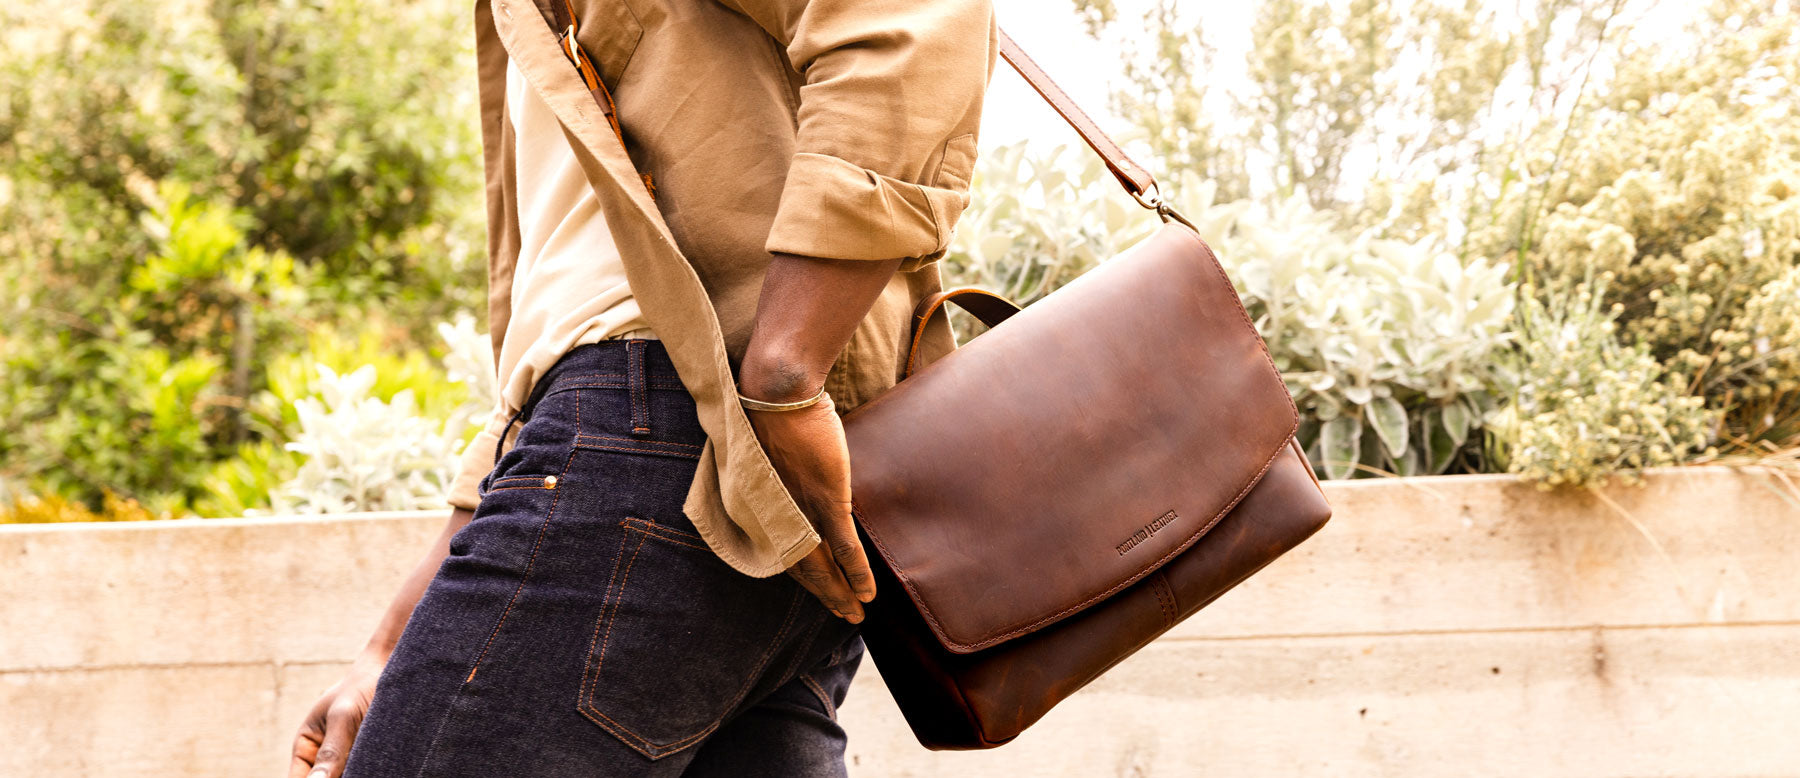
{"points": [[664, 527], [606, 641], [594, 673], [819, 691], [812, 636], [663, 452], [600, 660], [636, 442], [682, 743], [562, 386], [538, 480], [634, 359], [536, 544], [591, 711], [668, 539], [657, 530]]}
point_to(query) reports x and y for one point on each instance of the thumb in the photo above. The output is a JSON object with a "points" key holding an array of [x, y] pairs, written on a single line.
{"points": [[341, 725]]}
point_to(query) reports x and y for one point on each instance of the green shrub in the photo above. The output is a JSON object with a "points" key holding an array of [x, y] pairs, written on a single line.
{"points": [[137, 393], [1678, 184], [1594, 407], [186, 189]]}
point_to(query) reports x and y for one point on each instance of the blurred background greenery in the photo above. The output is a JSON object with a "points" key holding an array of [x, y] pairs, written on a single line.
{"points": [[241, 247]]}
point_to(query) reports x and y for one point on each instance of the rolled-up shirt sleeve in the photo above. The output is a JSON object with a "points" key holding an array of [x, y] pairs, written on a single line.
{"points": [[887, 122]]}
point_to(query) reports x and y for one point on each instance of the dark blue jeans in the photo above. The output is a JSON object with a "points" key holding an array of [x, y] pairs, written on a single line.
{"points": [[580, 627]]}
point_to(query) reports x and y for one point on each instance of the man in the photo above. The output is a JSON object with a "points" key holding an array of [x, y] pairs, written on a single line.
{"points": [[682, 304]]}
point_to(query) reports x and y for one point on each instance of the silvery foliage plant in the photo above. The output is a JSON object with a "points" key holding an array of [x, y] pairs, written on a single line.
{"points": [[1390, 348], [364, 454]]}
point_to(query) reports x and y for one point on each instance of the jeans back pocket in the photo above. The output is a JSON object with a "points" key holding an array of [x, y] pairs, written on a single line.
{"points": [[680, 641]]}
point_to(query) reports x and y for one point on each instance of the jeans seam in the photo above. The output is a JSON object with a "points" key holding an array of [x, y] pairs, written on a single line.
{"points": [[664, 533], [565, 386], [524, 576], [819, 691], [638, 450], [625, 734], [633, 441]]}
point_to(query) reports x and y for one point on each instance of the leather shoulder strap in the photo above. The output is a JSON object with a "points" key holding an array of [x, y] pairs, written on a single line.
{"points": [[1136, 180]]}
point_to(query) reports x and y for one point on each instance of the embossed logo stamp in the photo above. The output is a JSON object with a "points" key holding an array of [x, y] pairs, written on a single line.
{"points": [[1144, 534]]}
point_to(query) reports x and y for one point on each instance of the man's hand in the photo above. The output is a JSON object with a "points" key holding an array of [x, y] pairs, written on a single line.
{"points": [[323, 744], [808, 450], [807, 311], [326, 735]]}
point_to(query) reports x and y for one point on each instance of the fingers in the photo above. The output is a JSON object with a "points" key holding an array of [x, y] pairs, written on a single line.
{"points": [[818, 573], [342, 720], [306, 744], [839, 531]]}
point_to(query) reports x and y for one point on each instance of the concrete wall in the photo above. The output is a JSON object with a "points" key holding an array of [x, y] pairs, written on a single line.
{"points": [[1438, 626]]}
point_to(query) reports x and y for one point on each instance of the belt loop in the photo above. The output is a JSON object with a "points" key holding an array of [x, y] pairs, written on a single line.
{"points": [[640, 390]]}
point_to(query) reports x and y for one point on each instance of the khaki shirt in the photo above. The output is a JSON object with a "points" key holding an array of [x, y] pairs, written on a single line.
{"points": [[841, 129]]}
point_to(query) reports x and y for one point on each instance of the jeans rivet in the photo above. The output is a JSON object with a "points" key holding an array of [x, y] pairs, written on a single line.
{"points": [[549, 482]]}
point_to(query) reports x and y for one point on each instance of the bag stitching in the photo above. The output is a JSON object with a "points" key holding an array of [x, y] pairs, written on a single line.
{"points": [[1165, 596]]}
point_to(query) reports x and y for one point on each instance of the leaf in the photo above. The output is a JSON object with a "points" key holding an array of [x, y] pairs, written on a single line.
{"points": [[1439, 440], [1339, 441], [1456, 422], [1409, 464], [1389, 419]]}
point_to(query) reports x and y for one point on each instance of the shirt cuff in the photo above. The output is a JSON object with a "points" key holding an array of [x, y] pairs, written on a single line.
{"points": [[833, 209]]}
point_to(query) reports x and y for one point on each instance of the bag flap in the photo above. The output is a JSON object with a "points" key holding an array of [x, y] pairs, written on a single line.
{"points": [[1071, 450]]}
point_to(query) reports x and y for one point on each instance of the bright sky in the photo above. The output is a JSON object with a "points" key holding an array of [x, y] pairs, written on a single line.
{"points": [[1086, 69]]}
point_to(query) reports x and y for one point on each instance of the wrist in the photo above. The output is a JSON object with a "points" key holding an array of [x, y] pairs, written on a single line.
{"points": [[779, 376], [375, 654]]}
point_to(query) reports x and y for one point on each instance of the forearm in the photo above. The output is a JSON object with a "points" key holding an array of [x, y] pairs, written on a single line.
{"points": [[393, 621], [805, 316]]}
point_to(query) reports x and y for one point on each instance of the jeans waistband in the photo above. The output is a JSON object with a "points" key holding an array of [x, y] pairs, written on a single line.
{"points": [[638, 364], [627, 361]]}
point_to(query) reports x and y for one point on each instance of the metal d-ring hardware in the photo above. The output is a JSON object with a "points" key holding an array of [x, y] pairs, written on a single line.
{"points": [[1154, 201]]}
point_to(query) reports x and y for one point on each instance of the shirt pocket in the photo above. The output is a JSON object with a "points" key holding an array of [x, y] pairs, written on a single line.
{"points": [[957, 166]]}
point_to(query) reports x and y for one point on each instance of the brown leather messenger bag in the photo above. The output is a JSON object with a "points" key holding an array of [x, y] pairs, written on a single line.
{"points": [[1047, 499]]}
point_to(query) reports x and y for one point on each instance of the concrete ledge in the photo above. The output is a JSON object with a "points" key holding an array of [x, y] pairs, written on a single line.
{"points": [[1462, 625]]}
